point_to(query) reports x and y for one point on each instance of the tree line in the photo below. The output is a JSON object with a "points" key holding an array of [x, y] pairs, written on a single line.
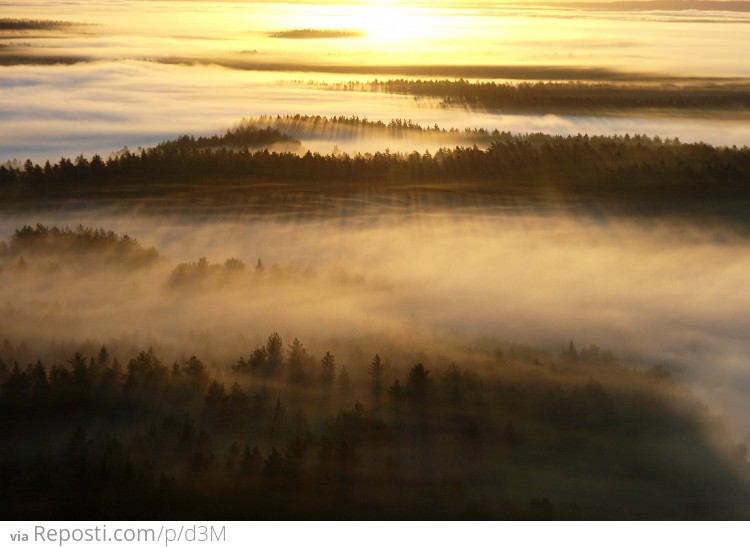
{"points": [[16, 23], [564, 96], [625, 167], [105, 245]]}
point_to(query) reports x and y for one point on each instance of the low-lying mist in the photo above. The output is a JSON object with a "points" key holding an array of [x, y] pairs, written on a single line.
{"points": [[652, 292], [101, 107]]}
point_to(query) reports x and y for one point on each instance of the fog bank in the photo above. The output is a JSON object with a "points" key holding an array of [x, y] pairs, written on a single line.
{"points": [[649, 292]]}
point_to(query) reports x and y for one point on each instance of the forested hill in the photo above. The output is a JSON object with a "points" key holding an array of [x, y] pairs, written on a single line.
{"points": [[599, 169]]}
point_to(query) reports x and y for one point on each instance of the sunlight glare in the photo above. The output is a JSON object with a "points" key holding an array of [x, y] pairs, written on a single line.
{"points": [[388, 22]]}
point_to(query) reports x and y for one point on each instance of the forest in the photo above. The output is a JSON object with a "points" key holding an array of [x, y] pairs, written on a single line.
{"points": [[632, 173], [209, 412], [16, 24], [570, 97], [280, 432], [369, 260]]}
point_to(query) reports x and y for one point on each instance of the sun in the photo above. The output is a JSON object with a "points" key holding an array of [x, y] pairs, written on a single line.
{"points": [[389, 22]]}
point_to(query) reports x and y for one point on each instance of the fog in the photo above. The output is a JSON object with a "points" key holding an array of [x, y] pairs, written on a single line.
{"points": [[50, 111], [114, 94], [494, 312], [496, 33], [651, 292]]}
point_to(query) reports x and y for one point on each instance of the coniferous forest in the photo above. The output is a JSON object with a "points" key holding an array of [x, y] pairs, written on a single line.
{"points": [[635, 174], [374, 260], [383, 424], [502, 431], [573, 96]]}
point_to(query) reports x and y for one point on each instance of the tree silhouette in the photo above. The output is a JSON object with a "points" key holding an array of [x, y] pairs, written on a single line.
{"points": [[396, 391], [327, 368], [145, 371], [278, 420], [274, 354], [297, 359], [376, 370], [102, 357], [195, 370], [418, 383]]}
